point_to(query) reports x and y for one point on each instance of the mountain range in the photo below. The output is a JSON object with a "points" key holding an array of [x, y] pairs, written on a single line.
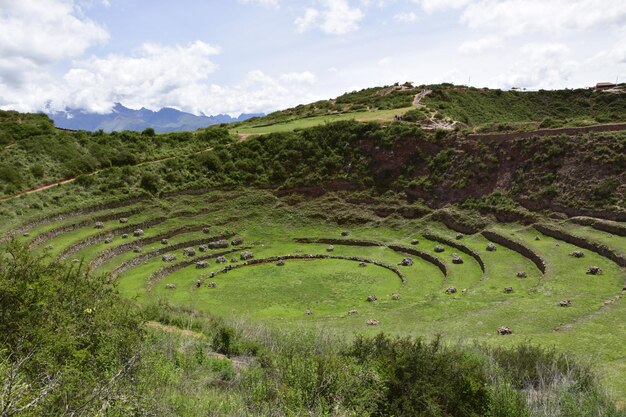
{"points": [[122, 118]]}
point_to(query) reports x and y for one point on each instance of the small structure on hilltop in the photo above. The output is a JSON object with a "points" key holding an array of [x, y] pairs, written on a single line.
{"points": [[605, 86]]}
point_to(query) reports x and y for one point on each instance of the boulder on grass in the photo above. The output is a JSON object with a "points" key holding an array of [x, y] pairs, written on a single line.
{"points": [[352, 312], [280, 262], [168, 257], [237, 241], [108, 240], [371, 298], [362, 264], [189, 252], [508, 290], [456, 259], [124, 220], [503, 330], [221, 259], [137, 249], [212, 285], [203, 248], [451, 290], [415, 242], [565, 303], [246, 255], [395, 296], [491, 247], [308, 312], [138, 233], [372, 322], [594, 270], [198, 283], [330, 248], [459, 236], [202, 265], [345, 233], [170, 286], [578, 254], [439, 249], [206, 230], [406, 262], [521, 274], [125, 236], [218, 244], [99, 225]]}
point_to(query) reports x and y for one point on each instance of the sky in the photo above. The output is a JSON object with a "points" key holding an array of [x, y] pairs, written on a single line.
{"points": [[243, 56]]}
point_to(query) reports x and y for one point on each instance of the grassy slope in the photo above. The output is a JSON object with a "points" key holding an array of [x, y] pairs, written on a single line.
{"points": [[279, 295]]}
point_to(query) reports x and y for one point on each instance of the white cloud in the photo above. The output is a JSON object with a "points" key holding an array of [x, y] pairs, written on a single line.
{"points": [[515, 17], [405, 17], [440, 5], [37, 33], [385, 61], [540, 65], [481, 45], [332, 16]]}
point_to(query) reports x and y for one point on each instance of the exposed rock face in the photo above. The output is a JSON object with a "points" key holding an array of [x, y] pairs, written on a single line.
{"points": [[406, 262], [371, 298], [508, 290], [439, 249], [138, 233], [219, 244], [189, 252], [237, 241], [594, 270], [503, 330], [246, 255], [372, 322], [578, 254], [456, 259], [395, 296], [99, 225], [124, 220], [521, 274], [491, 247], [451, 290], [168, 257], [202, 265]]}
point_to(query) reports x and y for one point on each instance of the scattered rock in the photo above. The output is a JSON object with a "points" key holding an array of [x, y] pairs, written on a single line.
{"points": [[508, 290], [371, 298], [26, 234], [246, 255], [99, 225], [138, 233], [456, 259], [537, 238], [352, 312], [521, 274], [75, 261], [237, 241], [406, 262], [203, 248], [345, 233], [124, 220], [168, 257], [330, 248], [202, 265], [464, 291], [362, 264], [218, 244], [234, 260], [280, 262], [221, 259], [565, 303], [395, 296], [198, 283], [491, 247], [450, 290], [503, 330], [170, 286], [136, 249], [459, 236], [308, 312], [164, 241], [189, 252], [578, 254], [125, 236], [415, 242], [439, 249], [206, 230], [372, 322], [212, 285], [594, 270], [108, 240]]}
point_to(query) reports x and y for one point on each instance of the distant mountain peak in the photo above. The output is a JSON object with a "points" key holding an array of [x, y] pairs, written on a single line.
{"points": [[121, 118]]}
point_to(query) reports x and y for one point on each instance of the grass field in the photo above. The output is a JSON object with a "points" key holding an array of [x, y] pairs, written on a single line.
{"points": [[303, 123], [592, 327]]}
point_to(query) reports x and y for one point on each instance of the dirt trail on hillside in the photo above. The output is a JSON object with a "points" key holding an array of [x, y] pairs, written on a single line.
{"points": [[72, 179], [419, 96]]}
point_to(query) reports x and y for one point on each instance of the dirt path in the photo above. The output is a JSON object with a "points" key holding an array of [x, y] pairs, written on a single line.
{"points": [[419, 96], [172, 329], [72, 179]]}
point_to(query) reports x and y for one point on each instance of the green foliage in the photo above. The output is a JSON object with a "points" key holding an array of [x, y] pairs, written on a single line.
{"points": [[150, 182]]}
